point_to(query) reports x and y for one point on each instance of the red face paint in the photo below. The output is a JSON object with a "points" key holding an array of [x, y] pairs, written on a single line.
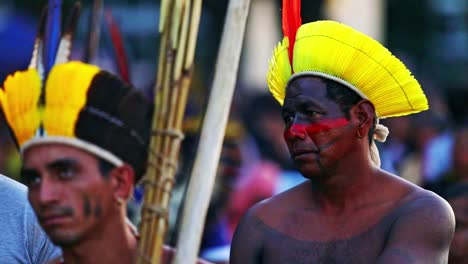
{"points": [[317, 127]]}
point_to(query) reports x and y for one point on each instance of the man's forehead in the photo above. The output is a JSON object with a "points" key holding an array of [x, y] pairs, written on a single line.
{"points": [[45, 154], [306, 85]]}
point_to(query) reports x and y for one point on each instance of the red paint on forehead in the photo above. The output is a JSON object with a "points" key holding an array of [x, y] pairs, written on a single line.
{"points": [[317, 127]]}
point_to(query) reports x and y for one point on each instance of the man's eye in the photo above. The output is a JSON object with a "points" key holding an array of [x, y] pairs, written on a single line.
{"points": [[288, 119], [313, 114], [31, 180], [65, 173]]}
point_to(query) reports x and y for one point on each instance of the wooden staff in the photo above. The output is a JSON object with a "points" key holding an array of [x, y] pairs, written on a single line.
{"points": [[204, 172], [179, 21]]}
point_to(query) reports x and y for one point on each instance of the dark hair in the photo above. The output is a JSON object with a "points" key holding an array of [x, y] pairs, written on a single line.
{"points": [[346, 99], [105, 167]]}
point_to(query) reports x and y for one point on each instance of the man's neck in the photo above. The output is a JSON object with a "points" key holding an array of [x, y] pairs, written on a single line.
{"points": [[114, 243], [347, 188]]}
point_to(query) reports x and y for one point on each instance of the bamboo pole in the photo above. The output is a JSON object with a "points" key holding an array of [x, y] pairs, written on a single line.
{"points": [[154, 168], [179, 22], [207, 158]]}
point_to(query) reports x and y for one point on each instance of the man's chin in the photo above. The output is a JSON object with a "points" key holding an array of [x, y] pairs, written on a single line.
{"points": [[314, 170], [64, 239], [311, 171]]}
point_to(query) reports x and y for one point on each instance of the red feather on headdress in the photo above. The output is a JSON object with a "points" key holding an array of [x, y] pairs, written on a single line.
{"points": [[291, 22], [119, 48]]}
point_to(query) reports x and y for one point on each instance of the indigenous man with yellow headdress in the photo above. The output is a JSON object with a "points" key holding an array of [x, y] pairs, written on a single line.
{"points": [[334, 84]]}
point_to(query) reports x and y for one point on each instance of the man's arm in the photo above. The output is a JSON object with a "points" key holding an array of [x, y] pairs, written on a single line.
{"points": [[422, 233], [246, 247]]}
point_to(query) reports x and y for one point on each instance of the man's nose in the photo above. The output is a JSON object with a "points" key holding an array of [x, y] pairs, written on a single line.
{"points": [[295, 131], [49, 192]]}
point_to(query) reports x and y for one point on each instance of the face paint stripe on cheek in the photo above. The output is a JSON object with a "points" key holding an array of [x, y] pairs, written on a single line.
{"points": [[86, 206], [98, 208], [333, 141], [326, 125], [317, 127]]}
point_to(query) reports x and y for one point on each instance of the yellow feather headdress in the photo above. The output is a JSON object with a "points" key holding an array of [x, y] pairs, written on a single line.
{"points": [[337, 52], [332, 50]]}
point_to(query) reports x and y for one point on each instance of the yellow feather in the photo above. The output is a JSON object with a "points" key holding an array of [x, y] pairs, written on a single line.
{"points": [[338, 50], [66, 91], [280, 70], [19, 99]]}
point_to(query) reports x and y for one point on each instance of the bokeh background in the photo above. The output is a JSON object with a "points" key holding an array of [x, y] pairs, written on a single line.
{"points": [[429, 149]]}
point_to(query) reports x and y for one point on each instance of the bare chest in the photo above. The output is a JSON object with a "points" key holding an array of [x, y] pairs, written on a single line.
{"points": [[317, 242]]}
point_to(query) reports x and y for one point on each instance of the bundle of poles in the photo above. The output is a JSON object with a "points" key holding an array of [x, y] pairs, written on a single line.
{"points": [[178, 28], [179, 22]]}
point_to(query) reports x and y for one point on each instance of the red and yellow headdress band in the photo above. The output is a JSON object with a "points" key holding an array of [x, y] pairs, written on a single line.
{"points": [[332, 50]]}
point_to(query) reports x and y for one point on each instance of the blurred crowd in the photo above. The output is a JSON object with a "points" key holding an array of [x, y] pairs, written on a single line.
{"points": [[428, 149]]}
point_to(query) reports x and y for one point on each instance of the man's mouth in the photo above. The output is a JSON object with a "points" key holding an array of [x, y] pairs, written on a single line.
{"points": [[51, 220], [300, 153]]}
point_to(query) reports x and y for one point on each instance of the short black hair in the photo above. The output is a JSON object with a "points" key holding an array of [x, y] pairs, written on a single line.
{"points": [[346, 99], [104, 167]]}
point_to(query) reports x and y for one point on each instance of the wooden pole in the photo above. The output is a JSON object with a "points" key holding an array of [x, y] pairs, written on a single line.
{"points": [[211, 139]]}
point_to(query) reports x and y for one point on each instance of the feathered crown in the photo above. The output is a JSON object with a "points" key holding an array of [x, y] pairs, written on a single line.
{"points": [[79, 105], [338, 52]]}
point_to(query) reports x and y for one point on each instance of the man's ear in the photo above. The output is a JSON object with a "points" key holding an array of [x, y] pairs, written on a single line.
{"points": [[363, 115], [122, 179]]}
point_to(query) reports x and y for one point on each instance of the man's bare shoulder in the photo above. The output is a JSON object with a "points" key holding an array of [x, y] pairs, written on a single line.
{"points": [[425, 207], [267, 213], [415, 202], [419, 200], [422, 230], [281, 203]]}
